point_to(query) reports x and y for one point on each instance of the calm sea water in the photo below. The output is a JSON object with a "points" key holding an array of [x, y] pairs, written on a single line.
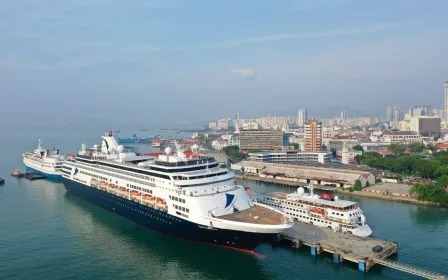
{"points": [[46, 233]]}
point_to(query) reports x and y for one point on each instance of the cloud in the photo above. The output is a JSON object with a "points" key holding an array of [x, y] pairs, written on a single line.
{"points": [[297, 36], [246, 74]]}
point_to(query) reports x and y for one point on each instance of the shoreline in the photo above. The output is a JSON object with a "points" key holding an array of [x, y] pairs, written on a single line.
{"points": [[356, 193]]}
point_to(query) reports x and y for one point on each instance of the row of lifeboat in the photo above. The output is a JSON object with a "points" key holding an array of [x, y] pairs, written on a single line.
{"points": [[149, 198]]}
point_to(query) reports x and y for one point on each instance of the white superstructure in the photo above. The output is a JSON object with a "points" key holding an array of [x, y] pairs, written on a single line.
{"points": [[323, 211], [191, 190], [48, 163]]}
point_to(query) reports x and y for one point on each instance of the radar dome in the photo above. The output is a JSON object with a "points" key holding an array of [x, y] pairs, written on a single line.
{"points": [[336, 198], [95, 146], [120, 148], [300, 191], [168, 150]]}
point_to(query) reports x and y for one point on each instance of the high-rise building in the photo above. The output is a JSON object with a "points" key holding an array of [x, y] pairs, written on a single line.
{"points": [[390, 113], [313, 136], [445, 108], [261, 140], [426, 126], [302, 117], [343, 115]]}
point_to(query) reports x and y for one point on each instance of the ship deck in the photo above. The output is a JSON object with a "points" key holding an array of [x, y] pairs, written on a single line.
{"points": [[265, 216]]}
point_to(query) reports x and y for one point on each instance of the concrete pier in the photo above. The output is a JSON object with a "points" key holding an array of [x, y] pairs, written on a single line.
{"points": [[346, 247]]}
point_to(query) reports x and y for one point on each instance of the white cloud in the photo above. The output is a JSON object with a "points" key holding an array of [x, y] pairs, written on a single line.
{"points": [[246, 74], [384, 27]]}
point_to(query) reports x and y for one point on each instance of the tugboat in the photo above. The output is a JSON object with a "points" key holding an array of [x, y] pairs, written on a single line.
{"points": [[17, 174]]}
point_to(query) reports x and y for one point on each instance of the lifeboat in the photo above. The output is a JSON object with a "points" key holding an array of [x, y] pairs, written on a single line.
{"points": [[148, 197], [327, 196], [318, 211], [123, 189], [134, 193]]}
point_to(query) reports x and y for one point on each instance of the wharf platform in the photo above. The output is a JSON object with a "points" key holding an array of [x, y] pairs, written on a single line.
{"points": [[33, 176], [347, 247]]}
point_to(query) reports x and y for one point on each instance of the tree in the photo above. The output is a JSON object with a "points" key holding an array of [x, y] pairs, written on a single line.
{"points": [[358, 159], [233, 154], [441, 170], [358, 148], [296, 146], [396, 148], [334, 153], [416, 147], [357, 186], [427, 168], [431, 147], [442, 181], [430, 192]]}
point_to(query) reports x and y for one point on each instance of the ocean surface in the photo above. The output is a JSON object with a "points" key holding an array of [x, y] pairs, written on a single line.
{"points": [[46, 233]]}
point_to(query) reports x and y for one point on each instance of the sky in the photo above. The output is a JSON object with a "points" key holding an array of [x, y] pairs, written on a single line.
{"points": [[173, 61]]}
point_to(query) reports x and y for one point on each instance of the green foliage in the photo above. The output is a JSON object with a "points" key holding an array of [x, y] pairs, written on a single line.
{"points": [[430, 192], [357, 186], [358, 159], [296, 146], [442, 181], [358, 148], [427, 168], [441, 171], [233, 154], [396, 148], [416, 147]]}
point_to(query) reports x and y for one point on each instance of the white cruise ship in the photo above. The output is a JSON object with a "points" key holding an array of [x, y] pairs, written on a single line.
{"points": [[191, 198], [323, 211], [45, 162]]}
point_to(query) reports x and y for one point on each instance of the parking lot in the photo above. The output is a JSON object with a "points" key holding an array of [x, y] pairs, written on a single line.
{"points": [[390, 187]]}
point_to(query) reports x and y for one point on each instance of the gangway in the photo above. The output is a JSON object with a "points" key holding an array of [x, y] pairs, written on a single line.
{"points": [[410, 269]]}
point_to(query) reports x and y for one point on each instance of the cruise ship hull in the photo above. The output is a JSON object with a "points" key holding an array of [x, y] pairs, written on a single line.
{"points": [[165, 223]]}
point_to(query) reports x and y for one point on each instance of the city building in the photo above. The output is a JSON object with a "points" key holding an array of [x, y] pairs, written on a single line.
{"points": [[400, 137], [223, 124], [307, 174], [212, 125], [234, 140], [426, 126], [302, 117], [292, 157], [261, 140], [219, 144], [445, 108], [251, 125], [343, 115], [313, 136]]}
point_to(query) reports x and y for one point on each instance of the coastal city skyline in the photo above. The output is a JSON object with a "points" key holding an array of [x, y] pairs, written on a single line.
{"points": [[224, 140]]}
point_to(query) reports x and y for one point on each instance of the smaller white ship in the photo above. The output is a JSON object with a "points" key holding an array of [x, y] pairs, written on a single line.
{"points": [[44, 162], [323, 211]]}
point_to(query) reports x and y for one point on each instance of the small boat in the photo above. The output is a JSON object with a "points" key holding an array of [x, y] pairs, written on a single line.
{"points": [[2, 181], [17, 174]]}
